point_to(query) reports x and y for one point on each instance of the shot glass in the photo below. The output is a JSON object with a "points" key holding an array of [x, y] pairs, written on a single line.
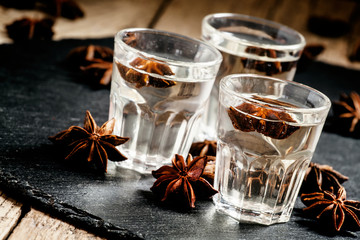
{"points": [[160, 85], [267, 133], [249, 45]]}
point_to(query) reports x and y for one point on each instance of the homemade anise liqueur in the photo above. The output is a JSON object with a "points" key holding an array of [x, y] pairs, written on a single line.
{"points": [[160, 85], [160, 120], [267, 134], [249, 45]]}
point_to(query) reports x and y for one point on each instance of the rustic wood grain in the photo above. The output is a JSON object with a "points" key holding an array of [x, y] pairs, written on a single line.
{"points": [[354, 39], [105, 18], [293, 13], [336, 49], [184, 13], [185, 16], [10, 212], [40, 226], [335, 9], [102, 18]]}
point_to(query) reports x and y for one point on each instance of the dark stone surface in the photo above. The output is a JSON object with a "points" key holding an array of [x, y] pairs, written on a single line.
{"points": [[39, 97], [36, 198]]}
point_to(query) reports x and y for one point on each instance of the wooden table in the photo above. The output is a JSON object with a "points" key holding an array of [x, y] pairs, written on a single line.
{"points": [[105, 18]]}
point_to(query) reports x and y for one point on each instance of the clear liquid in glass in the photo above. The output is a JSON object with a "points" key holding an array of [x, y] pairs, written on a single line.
{"points": [[159, 121], [253, 59], [258, 177]]}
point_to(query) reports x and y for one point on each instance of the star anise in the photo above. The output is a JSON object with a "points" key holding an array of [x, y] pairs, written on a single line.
{"points": [[348, 109], [130, 39], [258, 179], [205, 148], [26, 29], [333, 210], [245, 117], [85, 55], [355, 53], [180, 181], [209, 171], [95, 61], [270, 68], [321, 178], [64, 8], [309, 54], [328, 26], [99, 72], [92, 143], [18, 4], [140, 80], [255, 180]]}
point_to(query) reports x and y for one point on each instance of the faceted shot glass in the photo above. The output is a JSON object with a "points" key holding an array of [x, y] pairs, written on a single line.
{"points": [[267, 133], [249, 45], [160, 85]]}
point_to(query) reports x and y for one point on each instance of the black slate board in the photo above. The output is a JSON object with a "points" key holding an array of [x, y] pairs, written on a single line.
{"points": [[39, 97]]}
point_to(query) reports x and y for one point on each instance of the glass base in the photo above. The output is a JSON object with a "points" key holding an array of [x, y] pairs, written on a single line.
{"points": [[137, 166], [260, 215], [142, 164]]}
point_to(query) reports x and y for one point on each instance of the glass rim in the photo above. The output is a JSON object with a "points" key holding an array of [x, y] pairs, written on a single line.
{"points": [[320, 109], [297, 46], [217, 59]]}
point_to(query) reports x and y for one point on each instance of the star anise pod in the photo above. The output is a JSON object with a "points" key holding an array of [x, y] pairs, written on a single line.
{"points": [[256, 179], [18, 4], [328, 26], [309, 54], [84, 55], [209, 171], [140, 80], [99, 72], [26, 29], [95, 61], [245, 117], [355, 53], [62, 8], [270, 68], [92, 143], [130, 39], [348, 110], [333, 210], [321, 178], [180, 181], [205, 148]]}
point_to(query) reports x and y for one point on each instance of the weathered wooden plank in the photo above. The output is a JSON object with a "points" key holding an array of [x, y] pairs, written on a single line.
{"points": [[337, 49], [336, 9], [40, 226], [10, 211], [354, 39], [184, 16], [102, 18], [293, 14], [105, 18]]}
